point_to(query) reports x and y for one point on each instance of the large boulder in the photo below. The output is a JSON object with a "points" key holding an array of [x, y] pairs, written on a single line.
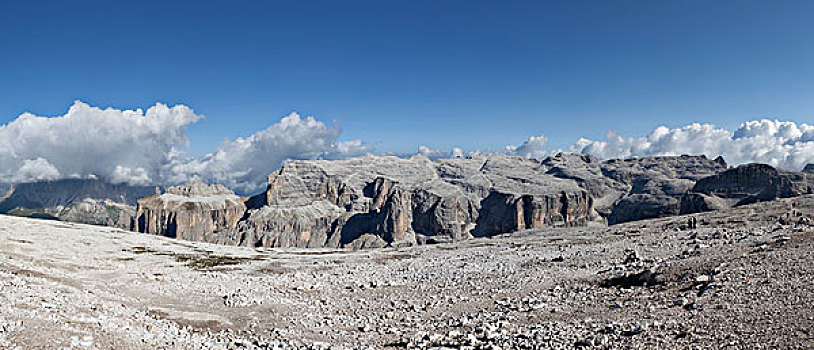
{"points": [[694, 202]]}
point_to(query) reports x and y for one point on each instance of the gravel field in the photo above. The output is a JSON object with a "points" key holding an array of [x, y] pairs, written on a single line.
{"points": [[735, 279]]}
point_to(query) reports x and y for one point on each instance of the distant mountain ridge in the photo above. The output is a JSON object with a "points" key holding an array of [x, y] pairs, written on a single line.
{"points": [[377, 201], [90, 201], [746, 184]]}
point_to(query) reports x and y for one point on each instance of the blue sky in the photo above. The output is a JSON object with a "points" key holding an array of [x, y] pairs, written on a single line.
{"points": [[468, 74]]}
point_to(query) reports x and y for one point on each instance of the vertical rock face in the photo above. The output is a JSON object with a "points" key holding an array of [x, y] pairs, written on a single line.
{"points": [[587, 172], [637, 188], [89, 201], [376, 201], [502, 212], [746, 184], [656, 184], [195, 212]]}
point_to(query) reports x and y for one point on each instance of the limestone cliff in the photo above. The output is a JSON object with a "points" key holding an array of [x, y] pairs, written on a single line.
{"points": [[636, 188], [746, 184], [379, 200], [196, 212]]}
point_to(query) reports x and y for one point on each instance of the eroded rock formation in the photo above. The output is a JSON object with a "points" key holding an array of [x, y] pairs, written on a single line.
{"points": [[637, 188], [196, 212], [746, 184], [377, 200]]}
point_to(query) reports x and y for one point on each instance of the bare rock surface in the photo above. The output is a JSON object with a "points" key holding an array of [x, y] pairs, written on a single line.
{"points": [[735, 278], [378, 201], [636, 188], [87, 201], [195, 212], [395, 201], [386, 201], [746, 184]]}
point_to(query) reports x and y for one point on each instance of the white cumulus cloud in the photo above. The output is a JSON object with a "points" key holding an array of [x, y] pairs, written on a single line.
{"points": [[782, 144], [36, 169], [244, 163], [120, 145], [532, 147], [141, 147]]}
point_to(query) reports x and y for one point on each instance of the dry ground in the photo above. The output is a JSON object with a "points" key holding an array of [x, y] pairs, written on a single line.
{"points": [[741, 279]]}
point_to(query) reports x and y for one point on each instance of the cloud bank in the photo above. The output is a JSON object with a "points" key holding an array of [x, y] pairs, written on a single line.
{"points": [[122, 146], [779, 143], [141, 147], [244, 163], [533, 147]]}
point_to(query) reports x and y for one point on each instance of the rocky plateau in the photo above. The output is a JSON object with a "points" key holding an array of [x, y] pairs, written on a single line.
{"points": [[195, 212], [380, 201], [386, 201], [736, 278]]}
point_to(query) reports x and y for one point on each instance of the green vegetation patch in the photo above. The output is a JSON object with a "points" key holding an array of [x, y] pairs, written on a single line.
{"points": [[209, 261], [139, 250], [190, 206], [205, 262]]}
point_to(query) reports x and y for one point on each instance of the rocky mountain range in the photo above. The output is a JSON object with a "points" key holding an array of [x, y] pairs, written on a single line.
{"points": [[89, 201], [746, 184], [638, 188], [377, 201]]}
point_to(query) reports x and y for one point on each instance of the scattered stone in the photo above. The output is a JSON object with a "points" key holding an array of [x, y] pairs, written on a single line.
{"points": [[89, 287], [647, 277]]}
